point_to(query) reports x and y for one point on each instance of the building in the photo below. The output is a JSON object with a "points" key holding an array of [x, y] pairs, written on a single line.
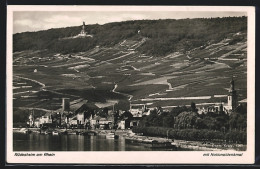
{"points": [[65, 105], [46, 119], [37, 123], [228, 107], [80, 118], [138, 110], [82, 32], [94, 121], [73, 121], [232, 98], [121, 124], [135, 121], [105, 123], [129, 123], [215, 108]]}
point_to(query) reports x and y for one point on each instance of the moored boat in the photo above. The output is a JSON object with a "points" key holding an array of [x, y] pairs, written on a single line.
{"points": [[55, 132], [25, 131], [71, 133], [89, 133], [47, 132], [112, 136]]}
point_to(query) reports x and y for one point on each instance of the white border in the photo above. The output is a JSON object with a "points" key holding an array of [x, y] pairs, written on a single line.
{"points": [[137, 157]]}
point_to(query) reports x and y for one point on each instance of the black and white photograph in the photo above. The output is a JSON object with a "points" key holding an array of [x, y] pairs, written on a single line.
{"points": [[137, 83]]}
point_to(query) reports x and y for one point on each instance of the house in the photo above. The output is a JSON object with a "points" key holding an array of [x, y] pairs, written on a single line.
{"points": [[46, 119], [201, 110], [105, 123], [101, 123], [124, 124], [215, 108], [94, 121], [137, 110], [37, 122], [80, 118], [73, 121], [146, 112], [129, 123], [134, 121], [121, 124]]}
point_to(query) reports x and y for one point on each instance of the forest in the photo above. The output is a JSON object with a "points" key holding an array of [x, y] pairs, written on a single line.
{"points": [[164, 36]]}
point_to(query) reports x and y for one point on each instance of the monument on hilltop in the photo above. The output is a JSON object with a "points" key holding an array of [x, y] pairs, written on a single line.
{"points": [[83, 32]]}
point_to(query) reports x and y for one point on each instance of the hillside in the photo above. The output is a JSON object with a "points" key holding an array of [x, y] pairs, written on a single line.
{"points": [[168, 63], [166, 35]]}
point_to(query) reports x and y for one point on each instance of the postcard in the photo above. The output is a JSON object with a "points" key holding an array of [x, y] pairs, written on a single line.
{"points": [[130, 84]]}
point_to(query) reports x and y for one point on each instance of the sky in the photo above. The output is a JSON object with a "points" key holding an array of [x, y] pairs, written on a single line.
{"points": [[24, 21]]}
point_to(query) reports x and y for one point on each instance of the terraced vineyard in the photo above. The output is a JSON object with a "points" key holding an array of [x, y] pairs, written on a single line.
{"points": [[122, 74]]}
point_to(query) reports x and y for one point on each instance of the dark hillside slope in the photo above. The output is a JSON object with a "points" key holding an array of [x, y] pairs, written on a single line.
{"points": [[164, 36]]}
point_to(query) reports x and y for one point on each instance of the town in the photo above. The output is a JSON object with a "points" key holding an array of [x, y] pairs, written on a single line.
{"points": [[112, 119]]}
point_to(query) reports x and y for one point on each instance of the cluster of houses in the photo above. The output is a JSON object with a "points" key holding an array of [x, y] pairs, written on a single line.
{"points": [[86, 118]]}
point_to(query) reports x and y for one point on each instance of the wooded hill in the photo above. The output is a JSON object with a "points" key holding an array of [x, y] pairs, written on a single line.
{"points": [[164, 36]]}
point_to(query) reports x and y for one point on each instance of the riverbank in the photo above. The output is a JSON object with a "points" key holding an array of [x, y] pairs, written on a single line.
{"points": [[193, 145], [61, 130], [183, 144]]}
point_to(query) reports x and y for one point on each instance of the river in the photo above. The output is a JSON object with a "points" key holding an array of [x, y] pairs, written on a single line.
{"points": [[38, 142]]}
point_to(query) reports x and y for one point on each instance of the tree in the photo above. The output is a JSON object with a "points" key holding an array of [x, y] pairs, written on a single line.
{"points": [[103, 113], [193, 107], [126, 115], [177, 110], [116, 118], [186, 120]]}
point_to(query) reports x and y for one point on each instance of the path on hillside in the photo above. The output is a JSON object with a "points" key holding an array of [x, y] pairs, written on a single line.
{"points": [[43, 86], [35, 81], [128, 95], [30, 108], [233, 51], [129, 53]]}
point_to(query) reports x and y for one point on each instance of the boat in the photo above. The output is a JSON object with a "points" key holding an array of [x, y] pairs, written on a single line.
{"points": [[71, 133], [151, 143], [55, 133], [89, 133], [25, 131], [37, 131], [112, 136], [79, 132], [47, 132], [102, 133]]}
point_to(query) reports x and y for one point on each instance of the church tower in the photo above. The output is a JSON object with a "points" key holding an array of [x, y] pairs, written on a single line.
{"points": [[232, 96]]}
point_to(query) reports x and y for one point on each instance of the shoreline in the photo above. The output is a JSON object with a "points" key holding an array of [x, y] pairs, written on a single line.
{"points": [[183, 144]]}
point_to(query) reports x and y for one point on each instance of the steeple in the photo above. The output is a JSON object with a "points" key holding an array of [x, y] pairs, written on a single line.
{"points": [[232, 96], [232, 85]]}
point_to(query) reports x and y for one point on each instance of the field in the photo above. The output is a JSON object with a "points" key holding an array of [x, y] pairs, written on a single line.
{"points": [[202, 75]]}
